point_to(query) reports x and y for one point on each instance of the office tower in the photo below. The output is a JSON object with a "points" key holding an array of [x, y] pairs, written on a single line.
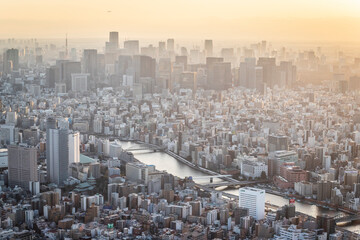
{"points": [[22, 166], [254, 200], [259, 79], [181, 60], [137, 171], [228, 55], [250, 75], [73, 54], [124, 65], [113, 41], [219, 74], [74, 147], [131, 47], [58, 158], [52, 76], [171, 45], [263, 47], [11, 60], [164, 74], [287, 74], [90, 63], [188, 81], [79, 82], [143, 66], [162, 49], [150, 51], [269, 71], [277, 143], [208, 48], [50, 124], [68, 68], [9, 134], [247, 76], [210, 61], [114, 38]]}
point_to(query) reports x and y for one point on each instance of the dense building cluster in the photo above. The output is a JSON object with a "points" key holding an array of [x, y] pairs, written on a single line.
{"points": [[244, 114]]}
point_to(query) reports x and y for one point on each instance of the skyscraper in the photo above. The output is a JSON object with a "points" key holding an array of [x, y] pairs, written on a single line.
{"points": [[90, 62], [170, 45], [114, 39], [250, 75], [68, 68], [132, 47], [50, 124], [219, 73], [11, 60], [254, 200], [52, 76], [57, 153], [74, 147], [208, 48], [22, 166], [269, 70], [143, 66]]}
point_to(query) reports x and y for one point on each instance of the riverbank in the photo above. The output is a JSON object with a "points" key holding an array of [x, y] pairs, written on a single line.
{"points": [[166, 162]]}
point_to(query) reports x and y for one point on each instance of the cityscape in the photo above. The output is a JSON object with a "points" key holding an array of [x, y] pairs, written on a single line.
{"points": [[179, 137]]}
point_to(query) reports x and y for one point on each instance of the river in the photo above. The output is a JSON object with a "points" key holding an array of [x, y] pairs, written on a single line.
{"points": [[165, 162]]}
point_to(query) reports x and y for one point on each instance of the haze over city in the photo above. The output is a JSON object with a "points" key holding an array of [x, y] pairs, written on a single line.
{"points": [[322, 20], [180, 120]]}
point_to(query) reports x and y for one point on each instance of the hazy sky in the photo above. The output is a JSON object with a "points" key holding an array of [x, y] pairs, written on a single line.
{"points": [[294, 20]]}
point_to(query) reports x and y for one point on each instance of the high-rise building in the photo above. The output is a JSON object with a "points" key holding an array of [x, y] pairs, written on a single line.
{"points": [[219, 76], [254, 200], [208, 48], [137, 171], [269, 71], [11, 60], [132, 47], [22, 166], [188, 81], [277, 143], [181, 60], [170, 45], [68, 68], [114, 40], [287, 74], [143, 66], [90, 62], [57, 155], [327, 223], [50, 124], [250, 75], [79, 82], [74, 147], [52, 76], [164, 73]]}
